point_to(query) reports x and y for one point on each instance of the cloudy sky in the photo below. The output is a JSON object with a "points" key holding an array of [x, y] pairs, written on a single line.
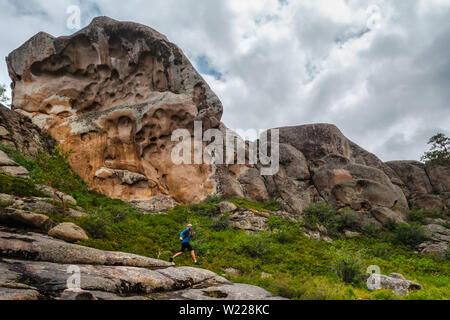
{"points": [[379, 70]]}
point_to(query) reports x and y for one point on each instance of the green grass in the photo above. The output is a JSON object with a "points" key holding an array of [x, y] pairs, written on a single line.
{"points": [[301, 268], [18, 187], [420, 215], [254, 205]]}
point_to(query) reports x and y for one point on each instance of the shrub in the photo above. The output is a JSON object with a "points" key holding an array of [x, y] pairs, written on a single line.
{"points": [[384, 294], [347, 266], [96, 224], [257, 245], [205, 209], [371, 230], [213, 199], [26, 162], [201, 248], [417, 215], [410, 234], [271, 205], [447, 254], [220, 223], [275, 223], [390, 225], [18, 187], [346, 219], [55, 172], [318, 213], [284, 237], [382, 250], [288, 288]]}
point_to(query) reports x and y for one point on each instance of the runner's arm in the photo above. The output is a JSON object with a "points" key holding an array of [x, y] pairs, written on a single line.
{"points": [[182, 235]]}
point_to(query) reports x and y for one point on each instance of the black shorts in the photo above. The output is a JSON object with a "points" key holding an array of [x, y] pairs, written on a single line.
{"points": [[186, 246]]}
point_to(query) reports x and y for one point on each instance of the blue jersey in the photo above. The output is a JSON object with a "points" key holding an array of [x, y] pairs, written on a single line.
{"points": [[186, 235]]}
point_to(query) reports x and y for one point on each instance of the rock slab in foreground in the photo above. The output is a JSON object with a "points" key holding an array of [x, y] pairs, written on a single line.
{"points": [[104, 275]]}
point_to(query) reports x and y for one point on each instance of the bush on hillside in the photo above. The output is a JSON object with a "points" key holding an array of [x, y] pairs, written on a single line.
{"points": [[410, 234], [221, 223], [271, 205], [205, 209], [347, 265], [213, 199], [257, 245], [321, 212], [18, 187]]}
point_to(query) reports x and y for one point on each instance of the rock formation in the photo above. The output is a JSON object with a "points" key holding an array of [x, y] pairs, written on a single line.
{"points": [[113, 93], [425, 187], [395, 282], [11, 168], [17, 131]]}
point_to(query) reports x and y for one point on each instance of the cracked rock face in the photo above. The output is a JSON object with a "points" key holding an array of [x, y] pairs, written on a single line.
{"points": [[113, 93], [17, 131]]}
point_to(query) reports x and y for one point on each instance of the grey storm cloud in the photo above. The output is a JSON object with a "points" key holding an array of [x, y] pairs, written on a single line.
{"points": [[379, 70]]}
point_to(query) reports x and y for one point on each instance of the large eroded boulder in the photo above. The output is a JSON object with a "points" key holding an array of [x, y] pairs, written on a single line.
{"points": [[114, 92]]}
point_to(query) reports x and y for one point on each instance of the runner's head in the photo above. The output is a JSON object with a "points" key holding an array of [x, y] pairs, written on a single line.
{"points": [[189, 226]]}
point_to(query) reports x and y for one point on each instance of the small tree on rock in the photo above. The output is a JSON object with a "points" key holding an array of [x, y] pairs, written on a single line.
{"points": [[3, 98], [53, 170], [439, 153]]}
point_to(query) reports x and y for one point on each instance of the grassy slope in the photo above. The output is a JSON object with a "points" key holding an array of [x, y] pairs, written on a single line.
{"points": [[301, 268]]}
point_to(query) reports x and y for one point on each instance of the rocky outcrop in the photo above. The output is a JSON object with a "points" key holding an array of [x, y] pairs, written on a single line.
{"points": [[17, 131], [69, 232], [342, 172], [21, 218], [46, 263], [226, 206], [395, 282], [425, 187], [10, 168], [157, 204], [222, 292], [414, 178], [438, 245], [113, 93], [42, 248], [253, 220], [318, 163], [439, 178]]}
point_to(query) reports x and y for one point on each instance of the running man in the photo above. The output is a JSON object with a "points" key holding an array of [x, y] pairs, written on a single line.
{"points": [[185, 238]]}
